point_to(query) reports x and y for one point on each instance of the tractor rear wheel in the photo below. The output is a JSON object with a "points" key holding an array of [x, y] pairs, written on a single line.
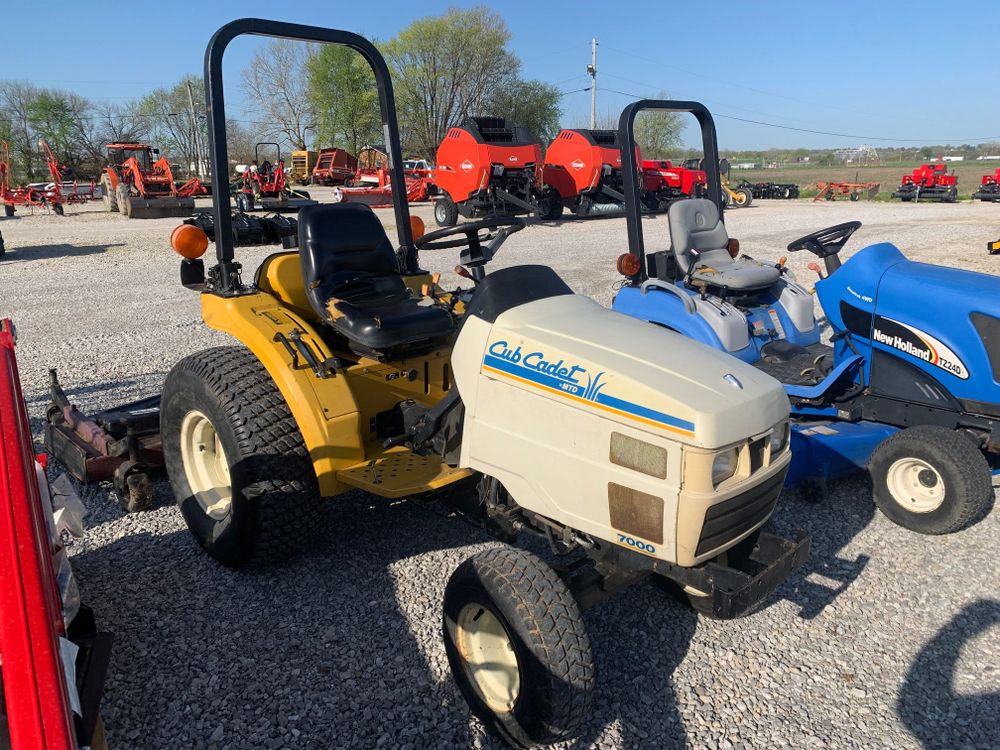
{"points": [[108, 197], [930, 479], [237, 463], [518, 647], [445, 211]]}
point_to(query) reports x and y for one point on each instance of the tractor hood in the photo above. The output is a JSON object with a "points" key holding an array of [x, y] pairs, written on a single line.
{"points": [[643, 376]]}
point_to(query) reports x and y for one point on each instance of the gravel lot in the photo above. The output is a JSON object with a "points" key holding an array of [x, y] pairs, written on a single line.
{"points": [[888, 639]]}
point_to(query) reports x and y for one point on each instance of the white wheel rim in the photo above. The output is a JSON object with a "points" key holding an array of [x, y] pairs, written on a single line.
{"points": [[205, 465], [915, 485], [488, 657]]}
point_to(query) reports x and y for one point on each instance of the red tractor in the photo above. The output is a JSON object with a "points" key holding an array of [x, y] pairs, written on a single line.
{"points": [[486, 167], [585, 168], [334, 166], [663, 183], [930, 182], [141, 186], [265, 184], [989, 190]]}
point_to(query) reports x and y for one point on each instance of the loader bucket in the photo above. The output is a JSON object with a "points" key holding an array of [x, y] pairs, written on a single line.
{"points": [[158, 208]]}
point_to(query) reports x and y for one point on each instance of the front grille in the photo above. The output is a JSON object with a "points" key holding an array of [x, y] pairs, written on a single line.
{"points": [[731, 518]]}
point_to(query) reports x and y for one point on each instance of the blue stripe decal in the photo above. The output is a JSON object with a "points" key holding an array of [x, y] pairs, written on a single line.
{"points": [[589, 391]]}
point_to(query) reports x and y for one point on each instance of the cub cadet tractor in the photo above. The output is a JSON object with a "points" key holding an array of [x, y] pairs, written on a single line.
{"points": [[515, 404], [584, 167], [908, 387], [487, 167], [264, 184], [141, 188]]}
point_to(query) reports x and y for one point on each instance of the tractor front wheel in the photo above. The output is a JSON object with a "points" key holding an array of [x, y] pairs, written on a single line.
{"points": [[121, 197], [518, 647], [550, 205], [236, 460], [445, 211], [108, 197], [930, 479]]}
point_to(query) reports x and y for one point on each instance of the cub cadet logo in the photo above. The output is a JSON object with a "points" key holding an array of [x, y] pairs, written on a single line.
{"points": [[467, 166], [918, 344], [537, 361], [578, 164]]}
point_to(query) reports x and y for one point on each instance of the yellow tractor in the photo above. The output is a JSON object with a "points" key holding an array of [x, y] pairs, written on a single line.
{"points": [[633, 452], [738, 197]]}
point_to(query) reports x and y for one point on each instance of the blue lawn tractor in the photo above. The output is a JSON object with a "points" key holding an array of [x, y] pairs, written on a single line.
{"points": [[909, 387]]}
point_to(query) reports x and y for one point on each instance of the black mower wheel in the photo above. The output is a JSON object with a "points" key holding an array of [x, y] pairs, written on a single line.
{"points": [[236, 460], [8, 209], [930, 479], [108, 197], [855, 197], [518, 647], [445, 211]]}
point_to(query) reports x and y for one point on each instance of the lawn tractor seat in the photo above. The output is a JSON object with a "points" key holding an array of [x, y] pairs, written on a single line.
{"points": [[701, 248], [353, 282]]}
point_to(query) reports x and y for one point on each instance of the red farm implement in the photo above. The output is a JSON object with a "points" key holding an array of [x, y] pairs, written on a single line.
{"points": [[265, 184], [486, 167], [39, 632], [47, 196], [829, 191], [334, 166], [663, 183], [141, 187], [929, 182], [989, 189], [584, 167]]}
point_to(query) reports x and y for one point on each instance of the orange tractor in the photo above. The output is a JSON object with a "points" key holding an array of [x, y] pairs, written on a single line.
{"points": [[140, 187]]}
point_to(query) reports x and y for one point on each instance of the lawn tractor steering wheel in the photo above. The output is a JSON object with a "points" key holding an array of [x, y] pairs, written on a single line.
{"points": [[827, 243], [481, 241]]}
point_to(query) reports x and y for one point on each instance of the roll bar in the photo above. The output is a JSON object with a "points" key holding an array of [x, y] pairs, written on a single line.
{"points": [[228, 279], [631, 167]]}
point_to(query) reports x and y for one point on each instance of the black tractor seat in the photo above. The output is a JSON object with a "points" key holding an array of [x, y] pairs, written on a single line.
{"points": [[701, 249], [353, 282]]}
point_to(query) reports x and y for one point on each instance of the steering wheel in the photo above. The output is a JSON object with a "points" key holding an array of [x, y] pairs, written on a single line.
{"points": [[826, 242], [475, 232]]}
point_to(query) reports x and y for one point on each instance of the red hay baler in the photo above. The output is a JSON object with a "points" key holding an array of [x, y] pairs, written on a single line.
{"points": [[334, 166], [486, 167], [585, 168], [930, 182], [989, 189]]}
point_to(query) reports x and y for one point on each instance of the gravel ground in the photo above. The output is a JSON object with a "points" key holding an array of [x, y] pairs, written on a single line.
{"points": [[887, 639]]}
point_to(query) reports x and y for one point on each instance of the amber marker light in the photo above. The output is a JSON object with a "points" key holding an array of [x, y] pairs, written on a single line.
{"points": [[189, 241], [628, 264]]}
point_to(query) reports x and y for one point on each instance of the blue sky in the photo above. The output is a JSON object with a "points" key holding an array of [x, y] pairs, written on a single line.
{"points": [[914, 70]]}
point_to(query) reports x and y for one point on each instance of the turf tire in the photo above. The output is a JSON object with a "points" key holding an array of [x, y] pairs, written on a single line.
{"points": [[968, 489], [275, 496], [549, 638]]}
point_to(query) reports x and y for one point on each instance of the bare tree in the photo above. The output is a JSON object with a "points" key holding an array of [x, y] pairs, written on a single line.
{"points": [[277, 82]]}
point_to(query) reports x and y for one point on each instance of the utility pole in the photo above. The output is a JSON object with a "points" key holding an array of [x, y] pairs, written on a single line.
{"points": [[592, 69], [194, 132]]}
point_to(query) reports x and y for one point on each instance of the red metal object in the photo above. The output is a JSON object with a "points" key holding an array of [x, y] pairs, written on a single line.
{"points": [[26, 195], [854, 190], [149, 189], [38, 710], [928, 182], [585, 168], [663, 182], [334, 166], [989, 188], [419, 185]]}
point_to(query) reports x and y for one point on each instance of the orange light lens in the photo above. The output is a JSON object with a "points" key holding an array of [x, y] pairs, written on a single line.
{"points": [[734, 247], [417, 227], [189, 241], [628, 264]]}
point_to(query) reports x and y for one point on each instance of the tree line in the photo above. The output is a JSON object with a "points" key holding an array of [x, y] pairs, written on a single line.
{"points": [[444, 68]]}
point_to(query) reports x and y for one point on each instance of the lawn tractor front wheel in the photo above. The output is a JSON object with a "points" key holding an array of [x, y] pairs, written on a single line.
{"points": [[518, 647], [237, 463], [930, 479]]}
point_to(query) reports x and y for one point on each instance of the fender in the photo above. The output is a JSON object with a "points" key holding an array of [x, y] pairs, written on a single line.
{"points": [[325, 409], [665, 309]]}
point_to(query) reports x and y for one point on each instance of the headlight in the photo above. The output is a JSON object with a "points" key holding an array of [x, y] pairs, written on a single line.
{"points": [[724, 465], [779, 438]]}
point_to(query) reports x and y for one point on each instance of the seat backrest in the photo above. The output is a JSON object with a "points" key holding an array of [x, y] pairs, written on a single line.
{"points": [[345, 254], [695, 225]]}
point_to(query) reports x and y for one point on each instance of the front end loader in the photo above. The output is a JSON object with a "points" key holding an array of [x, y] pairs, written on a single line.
{"points": [[512, 403], [140, 186]]}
